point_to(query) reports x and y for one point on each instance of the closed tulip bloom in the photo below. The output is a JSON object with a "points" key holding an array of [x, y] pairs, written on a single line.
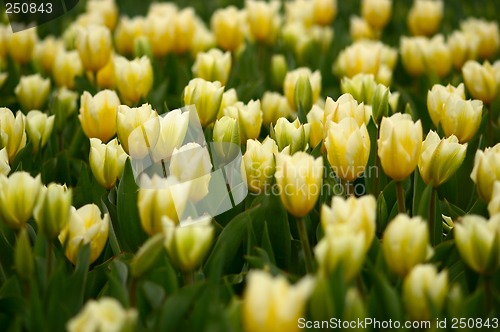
{"points": [[206, 96], [291, 134], [12, 134], [270, 303], [425, 288], [105, 314], [461, 118], [315, 120], [32, 92], [399, 145], [85, 226], [413, 55], [126, 32], [259, 164], [477, 242], [52, 210], [39, 128], [485, 33], [425, 17], [213, 66], [437, 98], [357, 213], [299, 178], [345, 107], [45, 52], [106, 161], [94, 46], [134, 79], [98, 114], [405, 243], [18, 197], [325, 11], [228, 27], [263, 20], [274, 107], [138, 129], [493, 205], [376, 12], [440, 158], [486, 171], [291, 80], [226, 137], [463, 46], [249, 118], [348, 148], [341, 247], [4, 162], [188, 245], [158, 198], [21, 45], [173, 129], [481, 80], [67, 66]]}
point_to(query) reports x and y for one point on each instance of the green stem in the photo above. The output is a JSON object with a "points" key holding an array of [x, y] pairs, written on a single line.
{"points": [[401, 197], [304, 239]]}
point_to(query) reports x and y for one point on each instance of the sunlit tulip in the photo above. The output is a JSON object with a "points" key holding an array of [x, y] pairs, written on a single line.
{"points": [[98, 114], [259, 164], [485, 33], [325, 11], [299, 178], [399, 145], [477, 242], [206, 96], [187, 245], [274, 107], [357, 213], [437, 98], [376, 12], [12, 134], [173, 129], [481, 80], [486, 171], [94, 46], [106, 161], [67, 66], [127, 31], [21, 45], [32, 92], [228, 27], [272, 304], [291, 134], [249, 118], [52, 210], [39, 128], [425, 17], [4, 162], [440, 158], [213, 65], [85, 226], [461, 118], [315, 120], [405, 243], [290, 83], [424, 288], [263, 20], [134, 79]]}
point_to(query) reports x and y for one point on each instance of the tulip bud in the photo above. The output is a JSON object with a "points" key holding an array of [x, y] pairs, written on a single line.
{"points": [[440, 158], [44, 54], [206, 96], [272, 304], [16, 207], [461, 118], [127, 31], [494, 204], [274, 107], [299, 178], [437, 98], [486, 171], [259, 164], [324, 11], [67, 66], [357, 213], [279, 68], [376, 12], [85, 226], [347, 164], [173, 128], [290, 87], [64, 105], [146, 255], [21, 45], [486, 35], [424, 288], [52, 209], [263, 20], [226, 136], [23, 255], [345, 107], [158, 198], [106, 161], [228, 27], [105, 314], [94, 47], [481, 80], [12, 134], [425, 17], [39, 128], [341, 248], [138, 129], [291, 134], [315, 120], [405, 243], [188, 245], [32, 92], [213, 66], [98, 114], [249, 118], [4, 162], [477, 240], [399, 145]]}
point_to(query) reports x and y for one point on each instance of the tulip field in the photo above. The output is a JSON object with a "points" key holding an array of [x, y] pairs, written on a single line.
{"points": [[249, 165]]}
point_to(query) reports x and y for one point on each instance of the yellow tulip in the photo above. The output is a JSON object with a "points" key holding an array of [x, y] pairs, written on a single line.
{"points": [[12, 134], [39, 128], [32, 92], [486, 171], [299, 178], [263, 20], [98, 114], [376, 12], [213, 65], [399, 145], [425, 17], [52, 210], [249, 118], [94, 46], [481, 80], [106, 161], [134, 79], [207, 98]]}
